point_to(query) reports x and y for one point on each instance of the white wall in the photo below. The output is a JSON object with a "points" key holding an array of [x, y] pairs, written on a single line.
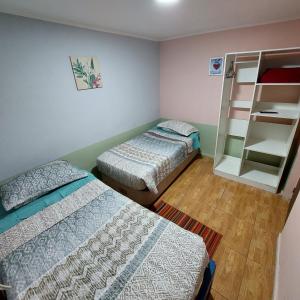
{"points": [[288, 283], [293, 178], [43, 116]]}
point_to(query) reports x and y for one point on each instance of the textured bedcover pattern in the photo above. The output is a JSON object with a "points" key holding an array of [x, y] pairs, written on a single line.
{"points": [[13, 217], [98, 244], [146, 159]]}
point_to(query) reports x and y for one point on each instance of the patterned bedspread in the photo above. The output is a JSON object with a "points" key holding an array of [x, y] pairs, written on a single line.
{"points": [[98, 244], [145, 160]]}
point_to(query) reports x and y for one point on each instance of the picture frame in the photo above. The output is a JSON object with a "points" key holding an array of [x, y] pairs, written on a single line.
{"points": [[86, 70], [216, 66]]}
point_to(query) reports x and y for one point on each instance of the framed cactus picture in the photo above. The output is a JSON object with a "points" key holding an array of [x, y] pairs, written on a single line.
{"points": [[86, 71]]}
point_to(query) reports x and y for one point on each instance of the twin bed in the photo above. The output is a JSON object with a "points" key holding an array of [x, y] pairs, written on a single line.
{"points": [[64, 234], [143, 167]]}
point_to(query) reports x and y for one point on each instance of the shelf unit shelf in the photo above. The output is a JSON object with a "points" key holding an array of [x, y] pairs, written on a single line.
{"points": [[247, 62], [261, 173], [230, 165], [242, 104], [269, 126], [269, 138], [284, 110], [278, 83], [268, 146], [281, 114]]}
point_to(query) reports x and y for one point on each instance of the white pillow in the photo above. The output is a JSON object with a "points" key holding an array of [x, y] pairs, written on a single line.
{"points": [[179, 127]]}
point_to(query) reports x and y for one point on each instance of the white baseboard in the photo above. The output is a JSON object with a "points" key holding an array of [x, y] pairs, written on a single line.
{"points": [[277, 268]]}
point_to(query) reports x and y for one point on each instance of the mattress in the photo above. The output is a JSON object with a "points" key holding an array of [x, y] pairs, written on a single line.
{"points": [[144, 161], [94, 243]]}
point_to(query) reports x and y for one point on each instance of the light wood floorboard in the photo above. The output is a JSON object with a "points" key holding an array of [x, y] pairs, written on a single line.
{"points": [[249, 219]]}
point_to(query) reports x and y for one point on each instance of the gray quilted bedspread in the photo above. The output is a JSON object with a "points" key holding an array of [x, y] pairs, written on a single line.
{"points": [[98, 244], [145, 160]]}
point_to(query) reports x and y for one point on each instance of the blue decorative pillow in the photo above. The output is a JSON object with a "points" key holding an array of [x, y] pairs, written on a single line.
{"points": [[179, 127], [34, 183]]}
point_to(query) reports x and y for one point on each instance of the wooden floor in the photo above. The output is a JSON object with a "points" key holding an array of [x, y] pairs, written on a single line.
{"points": [[249, 219]]}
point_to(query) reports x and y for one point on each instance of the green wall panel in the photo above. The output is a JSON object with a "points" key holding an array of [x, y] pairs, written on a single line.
{"points": [[86, 158], [234, 146], [208, 135]]}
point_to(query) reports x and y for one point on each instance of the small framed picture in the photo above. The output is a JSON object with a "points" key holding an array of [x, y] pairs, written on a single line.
{"points": [[86, 71], [216, 66]]}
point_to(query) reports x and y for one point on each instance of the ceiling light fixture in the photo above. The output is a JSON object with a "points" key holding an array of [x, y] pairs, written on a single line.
{"points": [[167, 2]]}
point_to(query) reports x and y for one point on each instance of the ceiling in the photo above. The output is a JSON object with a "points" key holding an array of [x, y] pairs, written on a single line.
{"points": [[149, 20]]}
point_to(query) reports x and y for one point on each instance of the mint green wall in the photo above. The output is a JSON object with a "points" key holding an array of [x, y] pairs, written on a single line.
{"points": [[234, 146], [208, 135], [85, 158]]}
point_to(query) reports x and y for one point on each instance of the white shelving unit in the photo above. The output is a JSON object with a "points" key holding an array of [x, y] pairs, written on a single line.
{"points": [[272, 113]]}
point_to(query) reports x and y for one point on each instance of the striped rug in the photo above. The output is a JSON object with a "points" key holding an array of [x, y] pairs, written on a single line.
{"points": [[211, 238]]}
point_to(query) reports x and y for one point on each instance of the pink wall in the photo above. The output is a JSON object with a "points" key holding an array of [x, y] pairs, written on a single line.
{"points": [[287, 285], [187, 92]]}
